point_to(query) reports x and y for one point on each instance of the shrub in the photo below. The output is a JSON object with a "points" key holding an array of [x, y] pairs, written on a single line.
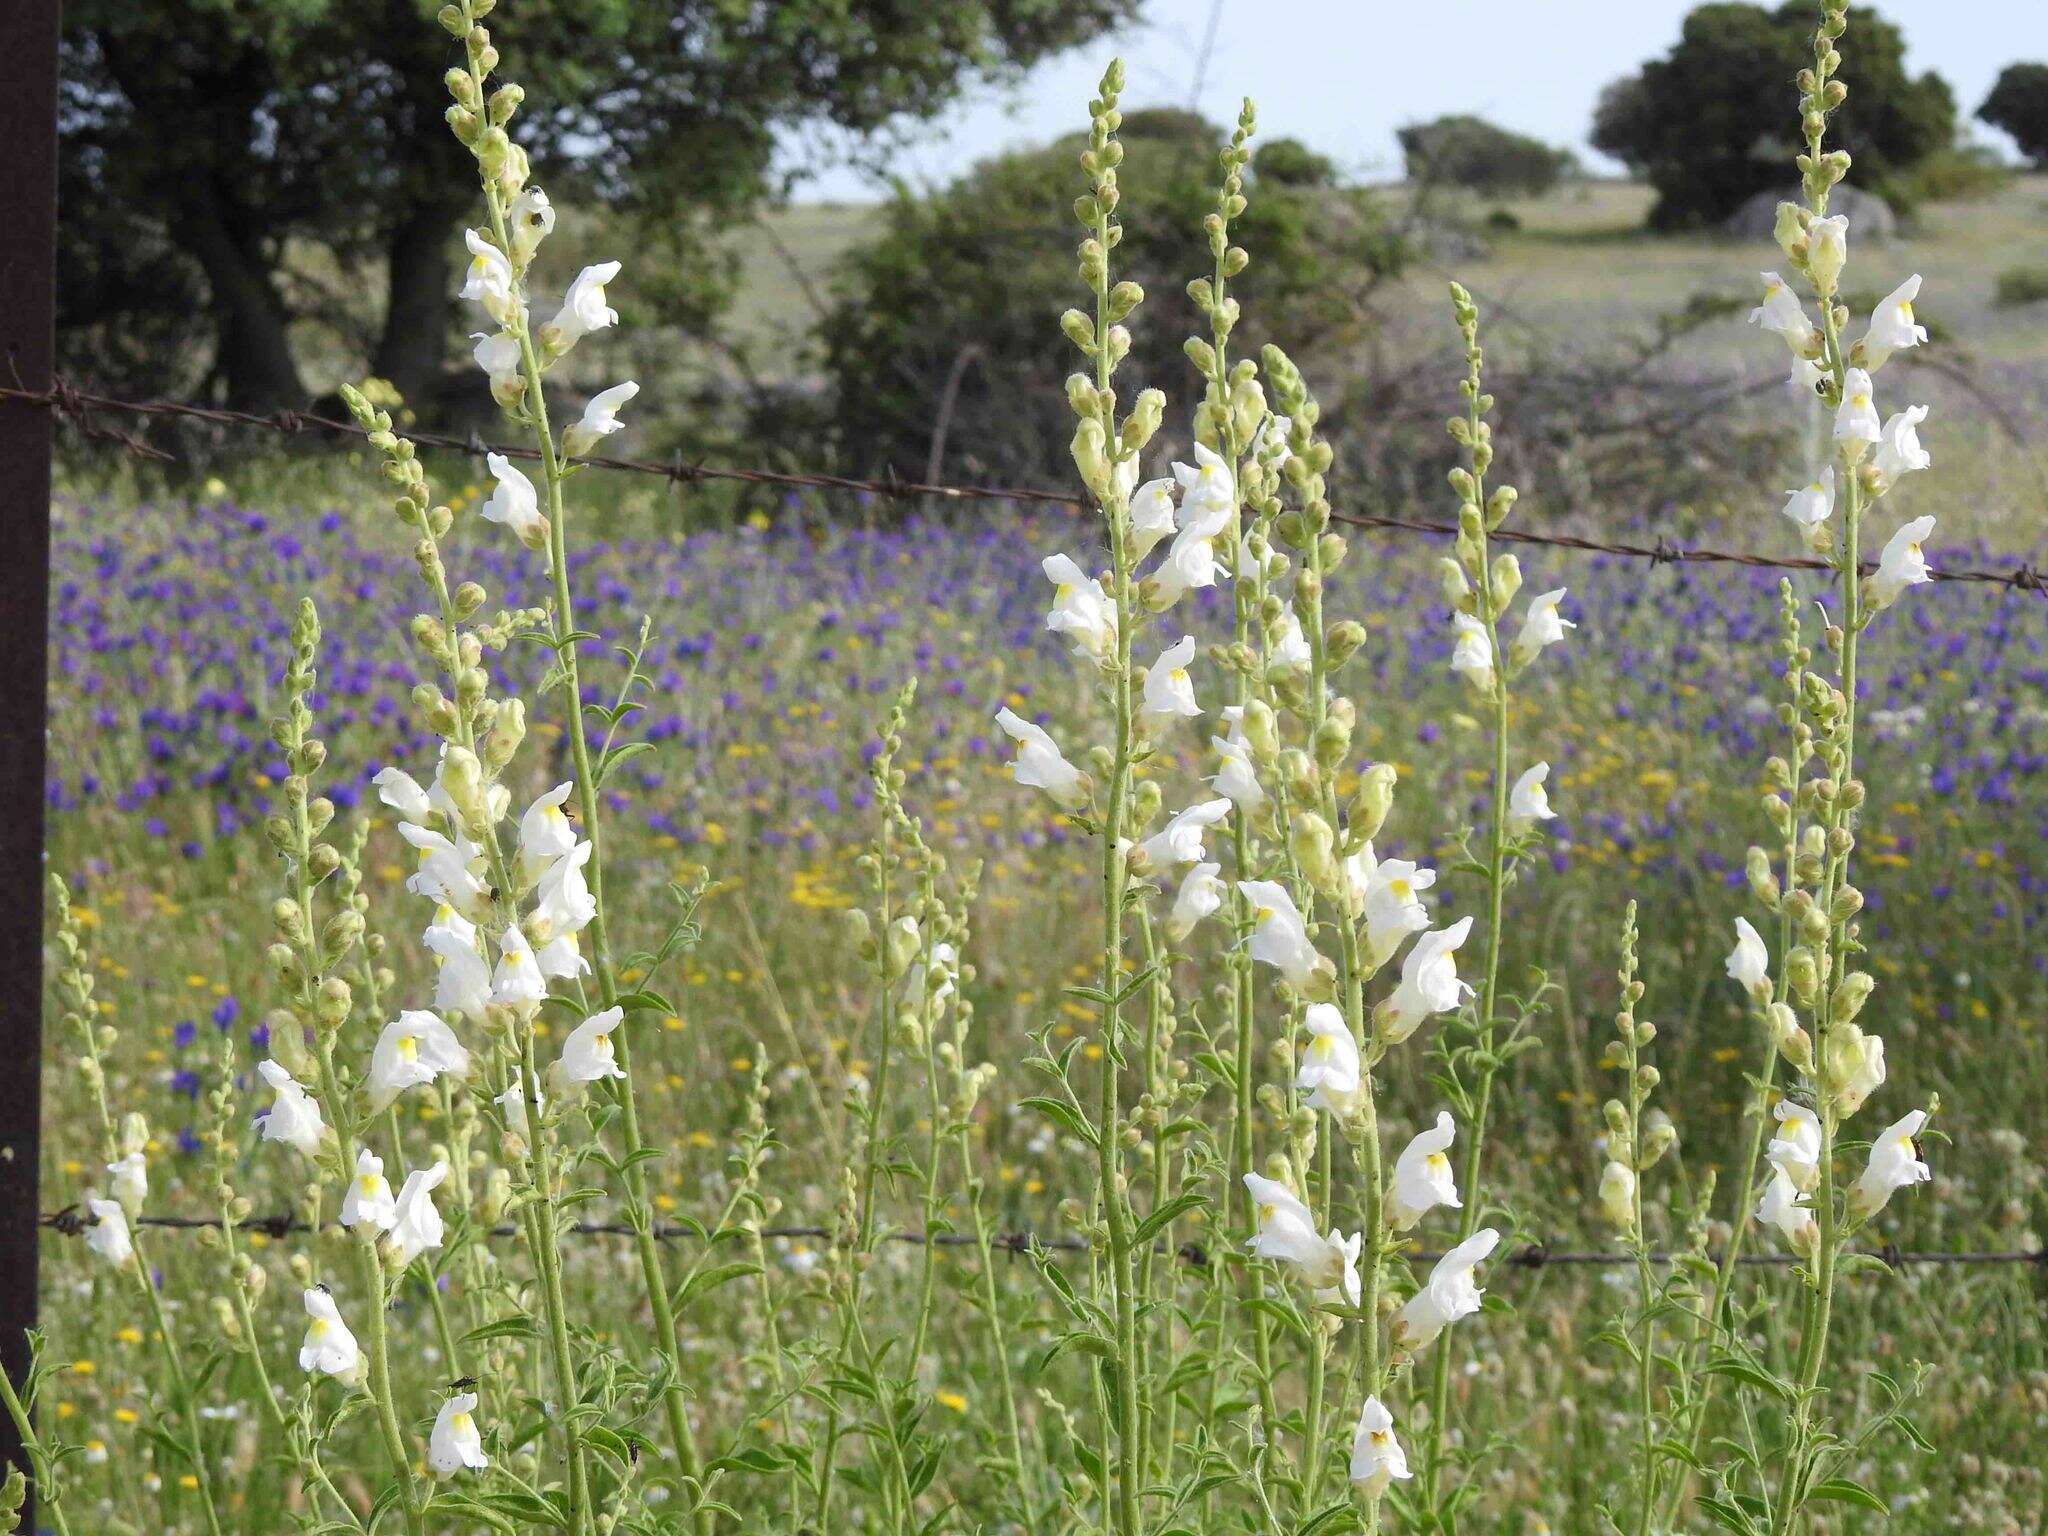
{"points": [[2020, 285], [2018, 103], [1469, 152]]}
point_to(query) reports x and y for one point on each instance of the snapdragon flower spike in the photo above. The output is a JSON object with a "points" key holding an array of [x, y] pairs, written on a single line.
{"points": [[584, 309], [1902, 564], [1749, 962], [1201, 893], [1152, 515], [1423, 1176], [1542, 626], [1237, 780], [1814, 502], [600, 419], [1039, 764], [1782, 313], [1429, 983], [1447, 1295], [369, 1202], [1388, 891], [1892, 326], [1081, 610], [1169, 694], [1472, 652], [514, 502], [1618, 1195], [1894, 1164], [1784, 1209], [1795, 1150], [1856, 420], [108, 1235], [414, 1048], [1180, 840], [1287, 1233], [128, 1181], [416, 1227], [1377, 1459], [1898, 447], [1330, 1069], [1280, 937], [489, 281], [462, 982], [1527, 802], [329, 1347], [294, 1116], [454, 1443], [587, 1055], [517, 982]]}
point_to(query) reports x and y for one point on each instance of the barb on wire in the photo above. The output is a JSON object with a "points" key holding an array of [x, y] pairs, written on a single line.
{"points": [[81, 408], [72, 1221]]}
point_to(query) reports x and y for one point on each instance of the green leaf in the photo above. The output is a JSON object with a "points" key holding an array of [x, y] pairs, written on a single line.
{"points": [[1063, 1114], [1840, 1490], [1163, 1216], [503, 1328], [706, 1281]]}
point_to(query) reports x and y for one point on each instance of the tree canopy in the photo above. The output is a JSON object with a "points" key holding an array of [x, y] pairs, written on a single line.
{"points": [[203, 139], [2018, 103], [1465, 151], [1689, 122]]}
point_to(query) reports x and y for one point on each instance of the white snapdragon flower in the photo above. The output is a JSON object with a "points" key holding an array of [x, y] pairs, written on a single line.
{"points": [[462, 984], [1795, 1150], [1287, 1233], [128, 1181], [545, 832], [1749, 962], [1782, 313], [1190, 563], [414, 1048], [1237, 780], [517, 982], [513, 1101], [1902, 564], [1423, 1177], [1151, 516], [1180, 840], [1618, 1195], [1169, 693], [489, 281], [446, 875], [1853, 1065], [514, 502], [1376, 1456], [1827, 250], [1784, 1209], [329, 1347], [1389, 893], [1081, 610], [584, 308], [1898, 447], [1892, 326], [1287, 647], [369, 1202], [1856, 421], [1330, 1070], [530, 219], [1527, 801], [1894, 1164], [1447, 1295], [600, 419], [1542, 626], [562, 901], [1208, 491], [454, 1442], [294, 1117], [401, 791], [108, 1235], [498, 354], [1429, 983], [561, 958], [587, 1054], [1039, 764], [416, 1227], [1201, 893], [1472, 654], [1814, 502], [1280, 937]]}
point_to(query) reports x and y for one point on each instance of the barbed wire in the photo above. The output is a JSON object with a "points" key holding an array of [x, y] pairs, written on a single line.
{"points": [[74, 1222], [81, 407]]}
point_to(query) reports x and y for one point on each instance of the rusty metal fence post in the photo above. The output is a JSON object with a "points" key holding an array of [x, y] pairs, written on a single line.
{"points": [[28, 229]]}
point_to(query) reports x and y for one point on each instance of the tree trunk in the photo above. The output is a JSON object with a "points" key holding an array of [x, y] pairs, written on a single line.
{"points": [[253, 355], [414, 344]]}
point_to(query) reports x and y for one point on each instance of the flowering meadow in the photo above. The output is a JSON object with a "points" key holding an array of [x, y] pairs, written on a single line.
{"points": [[1045, 1020]]}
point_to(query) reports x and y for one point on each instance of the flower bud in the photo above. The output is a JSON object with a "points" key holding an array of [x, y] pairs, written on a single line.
{"points": [[1763, 881], [1372, 802]]}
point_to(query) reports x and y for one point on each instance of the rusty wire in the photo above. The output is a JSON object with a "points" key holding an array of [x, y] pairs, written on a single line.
{"points": [[83, 408]]}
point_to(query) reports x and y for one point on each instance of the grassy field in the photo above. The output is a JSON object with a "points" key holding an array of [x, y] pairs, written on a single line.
{"points": [[777, 644]]}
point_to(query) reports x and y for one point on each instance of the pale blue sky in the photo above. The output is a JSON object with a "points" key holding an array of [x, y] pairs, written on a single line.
{"points": [[1343, 74]]}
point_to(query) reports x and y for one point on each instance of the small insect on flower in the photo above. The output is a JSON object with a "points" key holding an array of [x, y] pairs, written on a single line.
{"points": [[1472, 655], [454, 1443], [416, 1227], [1527, 801], [1429, 983], [1749, 963], [1782, 313], [587, 1054], [1201, 893], [1169, 694], [414, 1048], [1039, 764], [514, 502], [1280, 938], [1376, 1456], [1447, 1295], [1180, 841], [293, 1117], [600, 419], [1902, 564], [531, 219], [1081, 610], [329, 1347], [1894, 1164], [1287, 1233], [1329, 1063], [368, 1202], [108, 1235], [1542, 626], [1813, 503], [584, 309], [1423, 1176], [1892, 326]]}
